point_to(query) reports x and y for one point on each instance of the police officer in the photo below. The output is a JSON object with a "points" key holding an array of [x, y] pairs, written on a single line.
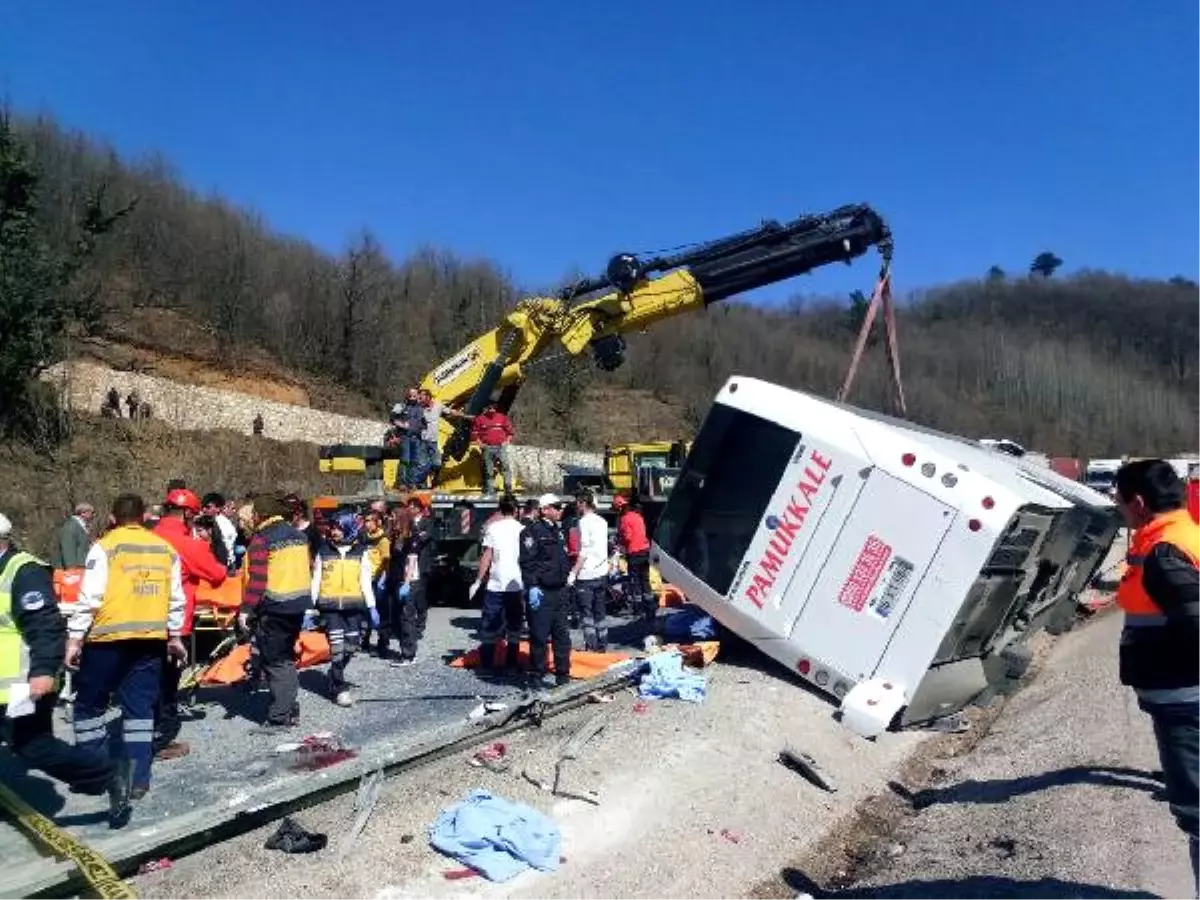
{"points": [[129, 620], [1160, 644], [32, 645], [545, 568]]}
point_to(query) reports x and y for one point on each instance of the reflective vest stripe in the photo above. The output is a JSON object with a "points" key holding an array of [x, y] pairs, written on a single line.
{"points": [[14, 652], [148, 626], [118, 549]]}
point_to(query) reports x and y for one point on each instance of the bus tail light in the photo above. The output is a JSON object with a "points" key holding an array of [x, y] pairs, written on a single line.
{"points": [[909, 459], [974, 524]]}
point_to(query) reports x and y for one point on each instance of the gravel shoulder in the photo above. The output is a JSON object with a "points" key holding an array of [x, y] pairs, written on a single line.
{"points": [[1060, 798], [693, 804]]}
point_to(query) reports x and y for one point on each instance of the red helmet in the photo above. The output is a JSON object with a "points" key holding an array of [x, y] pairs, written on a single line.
{"points": [[619, 502], [182, 498]]}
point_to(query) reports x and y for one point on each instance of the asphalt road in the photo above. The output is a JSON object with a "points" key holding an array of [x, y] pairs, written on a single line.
{"points": [[1060, 799]]}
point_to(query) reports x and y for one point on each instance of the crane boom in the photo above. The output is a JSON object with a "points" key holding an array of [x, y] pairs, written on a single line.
{"points": [[632, 295]]}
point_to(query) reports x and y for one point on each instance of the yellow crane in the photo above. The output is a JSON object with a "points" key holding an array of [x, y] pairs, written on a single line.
{"points": [[595, 314]]}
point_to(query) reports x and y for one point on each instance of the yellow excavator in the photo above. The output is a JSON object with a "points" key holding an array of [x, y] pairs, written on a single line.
{"points": [[595, 315]]}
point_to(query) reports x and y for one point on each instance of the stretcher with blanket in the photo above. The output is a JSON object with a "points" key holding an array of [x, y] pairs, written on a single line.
{"points": [[229, 661]]}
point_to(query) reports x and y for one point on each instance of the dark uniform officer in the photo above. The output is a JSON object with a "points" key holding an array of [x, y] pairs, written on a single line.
{"points": [[33, 640], [544, 569]]}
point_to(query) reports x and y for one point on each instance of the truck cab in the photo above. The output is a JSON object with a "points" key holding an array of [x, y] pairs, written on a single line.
{"points": [[889, 565]]}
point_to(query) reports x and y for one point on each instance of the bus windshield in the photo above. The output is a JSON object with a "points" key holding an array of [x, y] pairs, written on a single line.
{"points": [[721, 495]]}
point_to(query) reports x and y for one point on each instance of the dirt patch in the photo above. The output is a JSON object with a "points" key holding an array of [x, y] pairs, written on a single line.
{"points": [[863, 843]]}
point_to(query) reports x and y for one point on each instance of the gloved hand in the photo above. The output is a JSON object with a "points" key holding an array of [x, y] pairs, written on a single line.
{"points": [[535, 597], [473, 590], [310, 621], [404, 591], [374, 615], [570, 579]]}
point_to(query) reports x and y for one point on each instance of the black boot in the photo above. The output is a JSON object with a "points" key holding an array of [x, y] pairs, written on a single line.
{"points": [[487, 656]]}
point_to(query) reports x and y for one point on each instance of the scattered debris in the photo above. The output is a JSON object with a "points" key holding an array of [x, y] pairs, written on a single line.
{"points": [[641, 707], [807, 766], [575, 744], [731, 836], [459, 874], [493, 757], [486, 706], [535, 781], [597, 697], [293, 838], [155, 865], [406, 838], [952, 724], [364, 804]]}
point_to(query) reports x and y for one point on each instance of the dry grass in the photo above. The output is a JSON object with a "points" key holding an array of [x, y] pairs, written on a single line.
{"points": [[105, 457]]}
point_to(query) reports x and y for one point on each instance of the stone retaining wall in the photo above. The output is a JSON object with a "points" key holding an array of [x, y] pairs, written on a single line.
{"points": [[191, 407]]}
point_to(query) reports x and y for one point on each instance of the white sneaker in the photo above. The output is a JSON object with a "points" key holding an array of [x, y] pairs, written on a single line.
{"points": [[344, 698]]}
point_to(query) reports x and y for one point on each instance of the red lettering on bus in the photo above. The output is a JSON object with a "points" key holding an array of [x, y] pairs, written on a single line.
{"points": [[788, 526]]}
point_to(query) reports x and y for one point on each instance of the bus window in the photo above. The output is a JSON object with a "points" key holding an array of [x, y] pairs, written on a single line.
{"points": [[718, 502]]}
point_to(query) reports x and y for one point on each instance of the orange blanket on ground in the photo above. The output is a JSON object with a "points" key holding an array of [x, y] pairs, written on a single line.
{"points": [[584, 663], [311, 650]]}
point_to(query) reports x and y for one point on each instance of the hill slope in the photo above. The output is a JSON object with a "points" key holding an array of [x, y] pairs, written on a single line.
{"points": [[1091, 364]]}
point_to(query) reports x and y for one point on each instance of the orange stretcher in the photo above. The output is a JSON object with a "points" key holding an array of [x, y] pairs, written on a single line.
{"points": [[584, 663], [312, 649]]}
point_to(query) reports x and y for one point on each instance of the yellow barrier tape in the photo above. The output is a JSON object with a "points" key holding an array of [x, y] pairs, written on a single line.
{"points": [[92, 865]]}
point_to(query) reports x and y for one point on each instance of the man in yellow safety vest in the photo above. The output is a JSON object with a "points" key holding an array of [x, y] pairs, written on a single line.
{"points": [[131, 604]]}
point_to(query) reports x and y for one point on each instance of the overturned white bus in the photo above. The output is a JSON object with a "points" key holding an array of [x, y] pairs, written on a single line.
{"points": [[887, 564]]}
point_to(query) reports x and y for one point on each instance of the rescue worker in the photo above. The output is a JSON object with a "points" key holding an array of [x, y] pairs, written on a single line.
{"points": [[1159, 656], [545, 569], [344, 595], [589, 574], [197, 563], [503, 610], [277, 595], [32, 647], [379, 550], [128, 620], [635, 545]]}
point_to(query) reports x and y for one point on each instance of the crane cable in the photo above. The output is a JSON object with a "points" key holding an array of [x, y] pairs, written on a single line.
{"points": [[880, 297], [94, 867]]}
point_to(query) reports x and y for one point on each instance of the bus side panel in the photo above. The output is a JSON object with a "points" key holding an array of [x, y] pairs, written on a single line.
{"points": [[810, 498], [863, 592]]}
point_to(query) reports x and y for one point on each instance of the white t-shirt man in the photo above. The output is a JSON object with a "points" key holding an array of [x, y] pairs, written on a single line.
{"points": [[593, 547], [503, 538]]}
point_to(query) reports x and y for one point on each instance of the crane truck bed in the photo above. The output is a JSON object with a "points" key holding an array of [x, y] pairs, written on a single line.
{"points": [[889, 565]]}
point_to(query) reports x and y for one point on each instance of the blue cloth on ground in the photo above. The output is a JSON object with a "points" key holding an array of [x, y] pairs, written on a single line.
{"points": [[496, 837], [688, 623], [665, 677]]}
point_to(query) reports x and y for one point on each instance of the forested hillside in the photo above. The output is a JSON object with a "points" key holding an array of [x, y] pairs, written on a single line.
{"points": [[1092, 363]]}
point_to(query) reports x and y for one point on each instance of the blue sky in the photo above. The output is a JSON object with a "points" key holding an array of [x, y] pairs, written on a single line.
{"points": [[548, 135]]}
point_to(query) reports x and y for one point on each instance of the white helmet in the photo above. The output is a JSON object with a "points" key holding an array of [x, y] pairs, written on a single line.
{"points": [[5, 526]]}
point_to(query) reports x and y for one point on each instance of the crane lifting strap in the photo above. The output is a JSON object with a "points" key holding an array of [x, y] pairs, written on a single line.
{"points": [[880, 297], [94, 867]]}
